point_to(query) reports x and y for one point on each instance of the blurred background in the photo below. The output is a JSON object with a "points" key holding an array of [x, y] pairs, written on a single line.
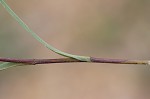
{"points": [[99, 28]]}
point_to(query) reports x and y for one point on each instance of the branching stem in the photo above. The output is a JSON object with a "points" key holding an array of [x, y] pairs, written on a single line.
{"points": [[12, 62]]}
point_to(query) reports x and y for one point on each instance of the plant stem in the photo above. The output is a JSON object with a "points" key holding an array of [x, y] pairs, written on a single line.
{"points": [[71, 60], [119, 61]]}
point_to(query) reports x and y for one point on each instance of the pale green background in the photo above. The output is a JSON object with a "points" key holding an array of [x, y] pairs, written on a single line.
{"points": [[100, 28]]}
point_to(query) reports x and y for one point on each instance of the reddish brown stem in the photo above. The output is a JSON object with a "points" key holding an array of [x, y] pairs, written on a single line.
{"points": [[39, 61], [119, 61], [70, 60]]}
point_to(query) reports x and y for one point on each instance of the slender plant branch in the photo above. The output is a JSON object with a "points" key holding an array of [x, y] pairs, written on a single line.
{"points": [[71, 60]]}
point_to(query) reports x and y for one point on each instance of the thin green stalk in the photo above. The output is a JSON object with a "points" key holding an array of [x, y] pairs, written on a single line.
{"points": [[12, 13]]}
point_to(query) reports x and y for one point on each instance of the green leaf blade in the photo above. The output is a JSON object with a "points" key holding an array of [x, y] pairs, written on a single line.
{"points": [[12, 13], [6, 65]]}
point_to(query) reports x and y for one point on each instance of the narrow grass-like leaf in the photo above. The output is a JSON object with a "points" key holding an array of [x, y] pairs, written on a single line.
{"points": [[11, 12], [5, 65]]}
